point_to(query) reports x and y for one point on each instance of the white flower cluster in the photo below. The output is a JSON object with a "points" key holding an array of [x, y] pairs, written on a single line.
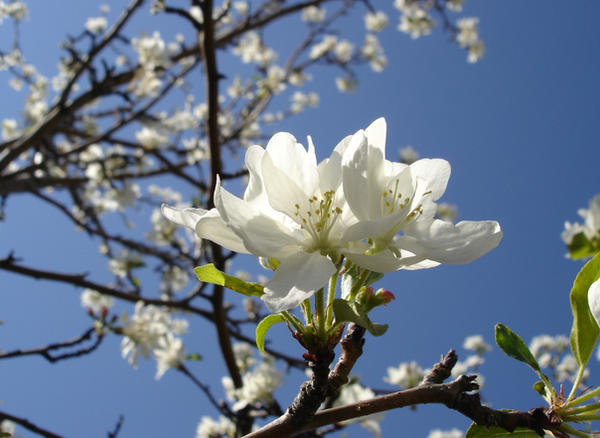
{"points": [[468, 38], [415, 20], [588, 232], [251, 49], [152, 330], [378, 214], [452, 433], [352, 393], [16, 10], [152, 55], [410, 374], [124, 263], [301, 100], [550, 351], [96, 25], [477, 344], [95, 301], [258, 382], [376, 21], [313, 14], [173, 279], [406, 375], [209, 428]]}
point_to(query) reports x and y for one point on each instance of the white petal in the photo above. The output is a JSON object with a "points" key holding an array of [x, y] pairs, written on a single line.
{"points": [[293, 160], [263, 235], [362, 177], [255, 189], [436, 172], [212, 227], [445, 242], [376, 133], [594, 300], [330, 169], [296, 279], [187, 217], [285, 192]]}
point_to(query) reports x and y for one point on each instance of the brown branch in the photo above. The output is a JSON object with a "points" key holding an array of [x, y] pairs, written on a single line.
{"points": [[207, 40], [46, 352], [9, 264], [455, 395], [28, 425]]}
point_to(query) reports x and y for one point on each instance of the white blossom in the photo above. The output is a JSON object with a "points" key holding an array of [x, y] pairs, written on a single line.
{"points": [[96, 24], [151, 138], [346, 85], [406, 375], [169, 353], [455, 5], [401, 199], [343, 51], [468, 32], [376, 21], [414, 20], [144, 330], [453, 433], [151, 51], [258, 384], [327, 44], [124, 263], [408, 155], [476, 343], [313, 14], [10, 129], [173, 279], [591, 222], [354, 393], [94, 300], [373, 52], [209, 428]]}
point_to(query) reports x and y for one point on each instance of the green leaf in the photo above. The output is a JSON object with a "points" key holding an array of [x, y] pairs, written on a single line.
{"points": [[581, 247], [210, 274], [5, 435], [345, 311], [540, 388], [584, 332], [263, 327], [352, 276], [476, 431], [512, 344], [194, 356]]}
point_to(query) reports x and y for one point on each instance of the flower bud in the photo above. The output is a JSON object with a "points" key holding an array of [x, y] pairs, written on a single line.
{"points": [[594, 300], [385, 295]]}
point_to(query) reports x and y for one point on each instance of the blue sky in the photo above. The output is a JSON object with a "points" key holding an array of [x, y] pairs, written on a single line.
{"points": [[520, 130]]}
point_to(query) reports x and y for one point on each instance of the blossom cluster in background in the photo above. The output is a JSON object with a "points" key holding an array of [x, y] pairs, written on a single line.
{"points": [[583, 239]]}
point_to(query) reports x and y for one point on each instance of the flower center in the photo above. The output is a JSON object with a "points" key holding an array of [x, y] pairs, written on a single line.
{"points": [[392, 200], [319, 218]]}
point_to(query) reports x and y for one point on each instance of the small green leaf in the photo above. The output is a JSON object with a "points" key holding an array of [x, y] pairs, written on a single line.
{"points": [[512, 344], [540, 388], [581, 247], [352, 276], [263, 327], [210, 274], [584, 332], [476, 431], [5, 435], [345, 311], [194, 356]]}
